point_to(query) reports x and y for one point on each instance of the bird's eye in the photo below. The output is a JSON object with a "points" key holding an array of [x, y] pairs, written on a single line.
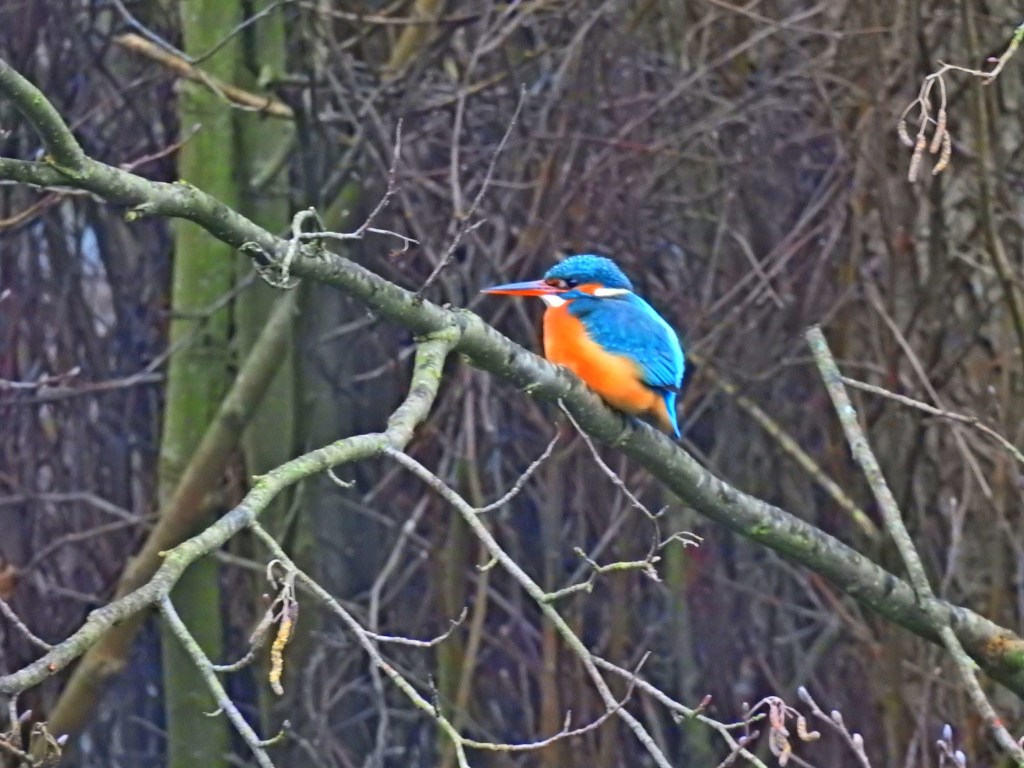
{"points": [[557, 282]]}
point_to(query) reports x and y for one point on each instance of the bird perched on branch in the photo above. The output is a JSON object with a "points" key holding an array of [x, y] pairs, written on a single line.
{"points": [[600, 330]]}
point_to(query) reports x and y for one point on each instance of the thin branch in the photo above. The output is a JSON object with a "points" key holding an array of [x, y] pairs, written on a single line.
{"points": [[684, 712], [148, 33], [973, 421], [366, 642], [389, 190], [539, 596], [453, 624], [893, 520], [835, 721], [864, 456], [298, 236], [608, 471], [467, 224], [238, 97], [202, 663], [12, 617], [521, 480], [566, 732]]}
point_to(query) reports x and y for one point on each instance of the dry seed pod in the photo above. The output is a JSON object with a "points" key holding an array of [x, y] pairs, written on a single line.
{"points": [[802, 732], [778, 744], [915, 159], [940, 131], [284, 633], [260, 632], [784, 757], [947, 153], [904, 134]]}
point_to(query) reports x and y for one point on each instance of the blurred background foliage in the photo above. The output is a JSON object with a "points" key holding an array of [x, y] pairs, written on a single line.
{"points": [[742, 164]]}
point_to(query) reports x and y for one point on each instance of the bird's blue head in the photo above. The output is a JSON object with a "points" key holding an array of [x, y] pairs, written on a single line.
{"points": [[584, 276], [587, 268]]}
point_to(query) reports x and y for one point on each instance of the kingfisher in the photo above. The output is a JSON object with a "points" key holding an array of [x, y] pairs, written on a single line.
{"points": [[598, 328]]}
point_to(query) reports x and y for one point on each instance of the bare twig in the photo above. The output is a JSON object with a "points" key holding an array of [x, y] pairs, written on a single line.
{"points": [[363, 229], [834, 720], [522, 479], [608, 471], [12, 617], [567, 732], [472, 519], [683, 712], [366, 640], [224, 702], [973, 421], [412, 642], [467, 225], [232, 94]]}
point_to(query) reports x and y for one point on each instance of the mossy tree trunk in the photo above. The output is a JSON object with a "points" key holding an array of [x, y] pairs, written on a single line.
{"points": [[271, 437], [198, 375]]}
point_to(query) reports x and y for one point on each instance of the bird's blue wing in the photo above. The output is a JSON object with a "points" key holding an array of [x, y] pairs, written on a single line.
{"points": [[629, 326]]}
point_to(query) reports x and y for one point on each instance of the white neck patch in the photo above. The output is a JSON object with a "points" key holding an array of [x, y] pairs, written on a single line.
{"points": [[607, 293], [552, 300]]}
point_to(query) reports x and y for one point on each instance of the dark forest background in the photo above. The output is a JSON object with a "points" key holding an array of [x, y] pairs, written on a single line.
{"points": [[740, 161]]}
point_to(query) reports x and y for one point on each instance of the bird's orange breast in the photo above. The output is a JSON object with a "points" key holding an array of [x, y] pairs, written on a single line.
{"points": [[615, 378]]}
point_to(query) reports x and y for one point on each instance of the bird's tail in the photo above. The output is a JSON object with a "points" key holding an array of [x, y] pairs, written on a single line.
{"points": [[668, 418]]}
